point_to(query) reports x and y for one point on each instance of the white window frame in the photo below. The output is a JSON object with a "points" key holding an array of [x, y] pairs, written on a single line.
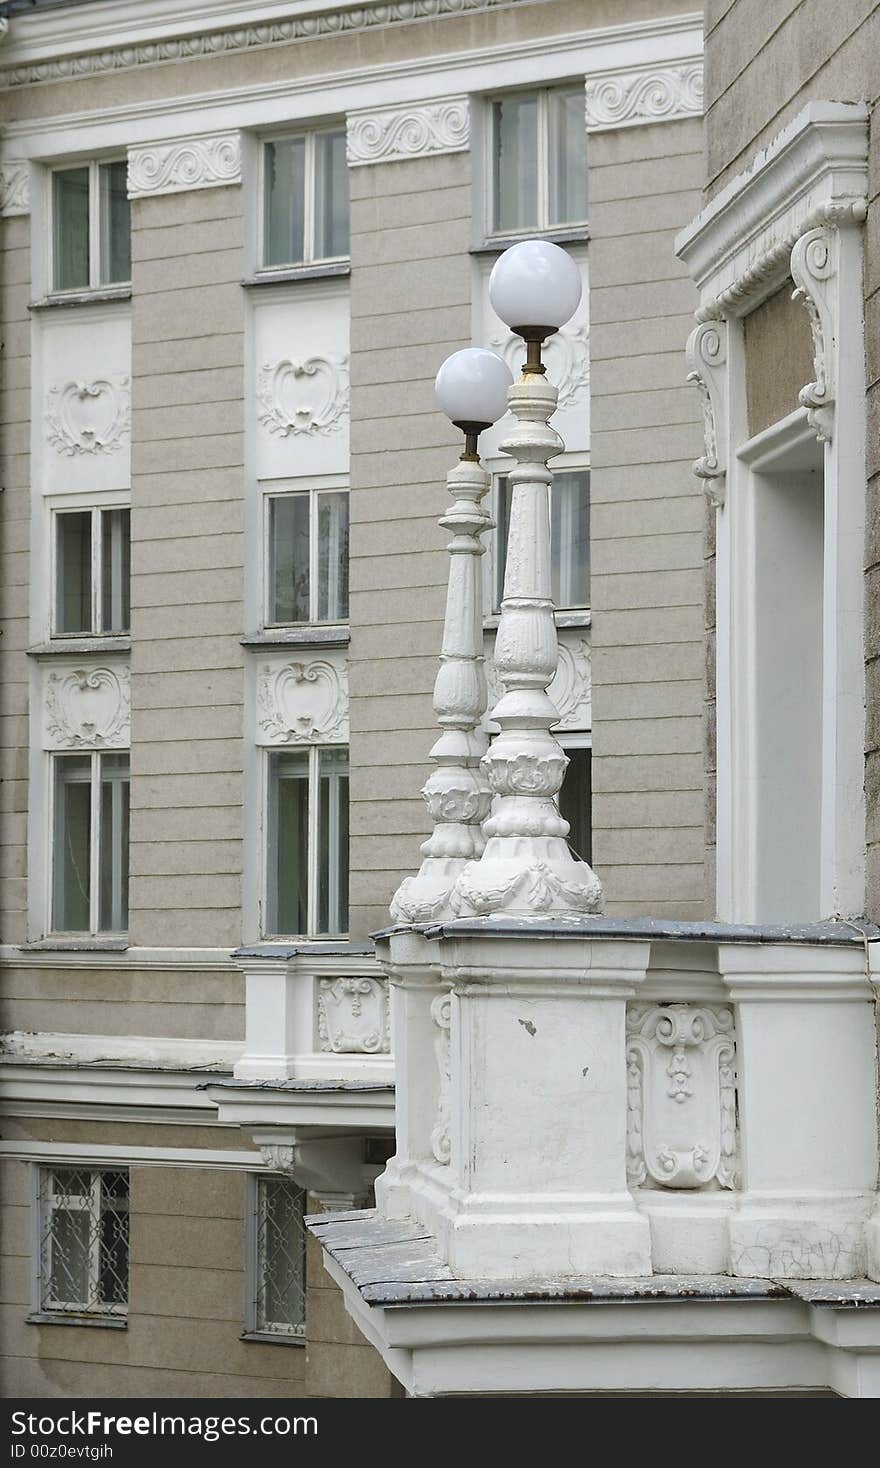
{"points": [[69, 1310], [309, 177], [284, 489], [312, 932], [542, 224], [253, 1327], [94, 931], [95, 282], [80, 504], [499, 468]]}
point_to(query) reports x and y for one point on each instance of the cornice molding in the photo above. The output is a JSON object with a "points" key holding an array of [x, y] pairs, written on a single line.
{"points": [[814, 173], [644, 95], [389, 134], [15, 187], [194, 163]]}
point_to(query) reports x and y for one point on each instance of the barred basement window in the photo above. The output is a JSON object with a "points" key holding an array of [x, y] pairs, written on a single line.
{"points": [[539, 160], [305, 198], [91, 226], [277, 1266], [83, 1257]]}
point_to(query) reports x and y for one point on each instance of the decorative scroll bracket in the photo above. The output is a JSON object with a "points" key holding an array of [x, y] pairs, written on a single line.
{"points": [[814, 261], [706, 353]]}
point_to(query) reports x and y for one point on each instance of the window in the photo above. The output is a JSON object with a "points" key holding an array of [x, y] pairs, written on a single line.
{"points": [[91, 226], [277, 1262], [575, 801], [92, 572], [83, 1231], [90, 842], [538, 160], [305, 198], [569, 537], [307, 557], [308, 842]]}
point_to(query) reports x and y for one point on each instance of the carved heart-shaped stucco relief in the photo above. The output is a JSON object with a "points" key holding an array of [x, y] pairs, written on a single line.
{"points": [[88, 417], [308, 396], [303, 703], [88, 708], [566, 355], [570, 690]]}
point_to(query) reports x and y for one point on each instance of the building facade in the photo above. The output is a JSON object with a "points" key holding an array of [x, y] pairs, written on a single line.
{"points": [[238, 241]]}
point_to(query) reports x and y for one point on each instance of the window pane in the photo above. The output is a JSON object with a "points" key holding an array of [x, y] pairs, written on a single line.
{"points": [[289, 558], [333, 841], [70, 218], [570, 539], [71, 843], [84, 1239], [575, 799], [280, 1255], [73, 572], [113, 850], [331, 195], [288, 854], [115, 570], [113, 1253], [515, 137], [115, 214], [568, 157], [333, 557], [69, 1256], [283, 207]]}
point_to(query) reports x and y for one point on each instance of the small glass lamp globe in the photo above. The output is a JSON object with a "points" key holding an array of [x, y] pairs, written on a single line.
{"points": [[471, 390], [535, 288]]}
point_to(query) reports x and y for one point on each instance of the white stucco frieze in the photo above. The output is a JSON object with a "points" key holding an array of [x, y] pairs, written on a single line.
{"points": [[87, 708], [416, 130], [187, 163], [89, 416], [303, 701], [652, 94], [14, 187]]}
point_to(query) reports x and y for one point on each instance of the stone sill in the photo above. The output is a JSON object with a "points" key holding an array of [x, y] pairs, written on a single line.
{"points": [[291, 274], [563, 619], [94, 1322], [311, 634], [578, 234], [75, 945], [268, 1338], [97, 297], [842, 934], [80, 646]]}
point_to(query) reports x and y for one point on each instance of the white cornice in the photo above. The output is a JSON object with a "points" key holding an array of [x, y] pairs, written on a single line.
{"points": [[120, 1155], [147, 1051], [266, 104], [737, 250], [196, 163], [650, 94], [194, 960], [390, 134]]}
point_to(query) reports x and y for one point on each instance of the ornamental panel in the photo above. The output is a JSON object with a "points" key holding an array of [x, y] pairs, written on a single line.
{"points": [[571, 689], [188, 163], [386, 134], [87, 707], [354, 1016], [650, 94], [300, 345], [302, 700]]}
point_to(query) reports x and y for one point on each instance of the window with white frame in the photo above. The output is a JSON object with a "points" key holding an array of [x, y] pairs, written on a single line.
{"points": [[276, 1266], [307, 842], [305, 198], [306, 556], [569, 537], [89, 849], [91, 226], [91, 571], [538, 160], [82, 1260], [576, 796]]}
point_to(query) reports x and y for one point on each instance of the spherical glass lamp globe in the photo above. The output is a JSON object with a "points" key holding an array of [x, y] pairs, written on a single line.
{"points": [[535, 287], [471, 388]]}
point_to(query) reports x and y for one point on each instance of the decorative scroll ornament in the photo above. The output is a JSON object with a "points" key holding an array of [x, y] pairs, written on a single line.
{"points": [[681, 1097], [706, 354], [89, 417], [278, 1158], [88, 708], [15, 192], [813, 266], [303, 703], [571, 689], [441, 1141], [309, 396], [657, 94], [566, 354], [393, 133], [195, 163], [354, 1016]]}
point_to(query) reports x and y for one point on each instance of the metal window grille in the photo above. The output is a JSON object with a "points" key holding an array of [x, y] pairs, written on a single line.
{"points": [[280, 1256], [84, 1241]]}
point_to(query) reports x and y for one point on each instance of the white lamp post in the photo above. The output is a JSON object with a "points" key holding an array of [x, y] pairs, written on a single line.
{"points": [[472, 390], [526, 865]]}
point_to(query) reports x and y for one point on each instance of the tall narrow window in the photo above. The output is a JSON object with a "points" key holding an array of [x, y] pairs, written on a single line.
{"points": [[91, 226], [276, 1268], [307, 842], [92, 572], [84, 1233], [575, 801], [90, 796], [307, 557], [539, 160], [305, 198], [569, 538]]}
